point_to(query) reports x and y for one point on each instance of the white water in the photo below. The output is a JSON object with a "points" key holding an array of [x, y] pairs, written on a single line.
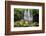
{"points": [[28, 16]]}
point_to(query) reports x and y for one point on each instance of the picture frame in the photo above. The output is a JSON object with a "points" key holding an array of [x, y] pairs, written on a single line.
{"points": [[10, 5]]}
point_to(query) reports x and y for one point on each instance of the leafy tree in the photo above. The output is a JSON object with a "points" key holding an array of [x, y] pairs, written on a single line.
{"points": [[18, 13]]}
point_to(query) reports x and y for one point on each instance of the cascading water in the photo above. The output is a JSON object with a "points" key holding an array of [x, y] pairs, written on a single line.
{"points": [[28, 15]]}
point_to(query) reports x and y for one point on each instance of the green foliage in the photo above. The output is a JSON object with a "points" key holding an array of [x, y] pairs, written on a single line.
{"points": [[22, 23], [18, 13], [35, 11]]}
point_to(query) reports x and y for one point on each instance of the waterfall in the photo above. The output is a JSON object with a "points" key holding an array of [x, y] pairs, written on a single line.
{"points": [[28, 15], [25, 15]]}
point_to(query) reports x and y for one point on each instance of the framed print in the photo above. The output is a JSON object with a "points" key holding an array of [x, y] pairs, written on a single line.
{"points": [[24, 17]]}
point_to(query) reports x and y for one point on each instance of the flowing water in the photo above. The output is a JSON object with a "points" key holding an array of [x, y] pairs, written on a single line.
{"points": [[28, 15]]}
